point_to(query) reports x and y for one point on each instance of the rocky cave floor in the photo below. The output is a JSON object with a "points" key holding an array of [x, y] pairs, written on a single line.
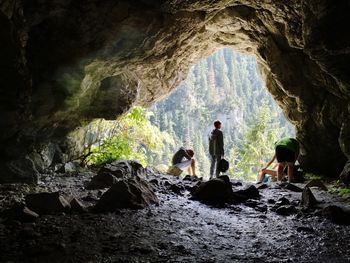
{"points": [[177, 230]]}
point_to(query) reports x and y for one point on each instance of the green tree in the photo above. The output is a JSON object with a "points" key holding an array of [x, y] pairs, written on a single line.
{"points": [[135, 137], [256, 146]]}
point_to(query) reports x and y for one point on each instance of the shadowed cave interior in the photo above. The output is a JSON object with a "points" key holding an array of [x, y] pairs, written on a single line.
{"points": [[65, 63]]}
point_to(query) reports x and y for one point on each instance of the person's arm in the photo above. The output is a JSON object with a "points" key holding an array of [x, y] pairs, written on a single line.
{"points": [[270, 162], [220, 141]]}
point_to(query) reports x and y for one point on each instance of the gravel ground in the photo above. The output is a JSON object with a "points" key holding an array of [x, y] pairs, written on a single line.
{"points": [[177, 230]]}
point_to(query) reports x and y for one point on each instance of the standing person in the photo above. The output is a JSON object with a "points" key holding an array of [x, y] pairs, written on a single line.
{"points": [[286, 153], [183, 159], [216, 148]]}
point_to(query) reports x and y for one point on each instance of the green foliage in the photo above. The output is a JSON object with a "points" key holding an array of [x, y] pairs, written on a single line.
{"points": [[256, 146], [134, 138], [339, 190], [311, 176]]}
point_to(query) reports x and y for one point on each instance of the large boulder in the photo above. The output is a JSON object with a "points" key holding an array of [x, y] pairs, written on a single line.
{"points": [[47, 203], [217, 190], [336, 214], [345, 174], [251, 192], [101, 181], [134, 193], [307, 198], [110, 173], [20, 213], [123, 169], [317, 183]]}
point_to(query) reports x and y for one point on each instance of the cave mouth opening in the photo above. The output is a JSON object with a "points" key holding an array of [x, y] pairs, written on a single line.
{"points": [[226, 86]]}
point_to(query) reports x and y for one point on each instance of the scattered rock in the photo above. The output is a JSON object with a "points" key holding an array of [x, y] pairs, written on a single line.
{"points": [[286, 210], [77, 206], [249, 193], [307, 198], [134, 193], [123, 169], [251, 203], [336, 214], [261, 208], [291, 187], [305, 229], [59, 168], [101, 180], [192, 178], [262, 186], [187, 178], [282, 201], [217, 190], [47, 203], [177, 189], [317, 183], [271, 201], [236, 183], [154, 182], [71, 167], [89, 198], [20, 213]]}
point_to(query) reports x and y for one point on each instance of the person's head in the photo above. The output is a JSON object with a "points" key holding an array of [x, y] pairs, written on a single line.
{"points": [[217, 124], [190, 152]]}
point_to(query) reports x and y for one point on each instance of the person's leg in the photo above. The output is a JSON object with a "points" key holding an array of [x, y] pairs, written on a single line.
{"points": [[264, 172], [217, 160], [189, 170], [280, 171], [290, 172], [261, 175], [212, 166], [193, 167]]}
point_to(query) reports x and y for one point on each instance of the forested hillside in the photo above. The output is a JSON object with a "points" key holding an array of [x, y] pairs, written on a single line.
{"points": [[225, 86]]}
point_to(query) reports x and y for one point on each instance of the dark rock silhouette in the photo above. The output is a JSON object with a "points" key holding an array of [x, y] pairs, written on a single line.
{"points": [[336, 214], [134, 193], [47, 203], [307, 198], [317, 183], [21, 213], [217, 190], [110, 173]]}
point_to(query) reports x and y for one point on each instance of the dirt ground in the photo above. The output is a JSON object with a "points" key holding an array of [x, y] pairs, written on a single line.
{"points": [[177, 230]]}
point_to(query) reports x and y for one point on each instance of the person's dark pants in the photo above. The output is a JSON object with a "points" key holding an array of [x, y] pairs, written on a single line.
{"points": [[214, 165], [284, 155]]}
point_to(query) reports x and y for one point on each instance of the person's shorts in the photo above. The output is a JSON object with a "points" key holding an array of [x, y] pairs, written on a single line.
{"points": [[284, 155], [184, 165]]}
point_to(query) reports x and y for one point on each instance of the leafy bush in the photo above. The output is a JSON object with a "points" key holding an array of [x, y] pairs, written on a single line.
{"points": [[134, 138]]}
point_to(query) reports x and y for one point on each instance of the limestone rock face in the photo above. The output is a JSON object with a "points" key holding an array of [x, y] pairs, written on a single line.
{"points": [[64, 63]]}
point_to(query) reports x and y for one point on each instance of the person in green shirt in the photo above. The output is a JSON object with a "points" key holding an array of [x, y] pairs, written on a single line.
{"points": [[286, 153]]}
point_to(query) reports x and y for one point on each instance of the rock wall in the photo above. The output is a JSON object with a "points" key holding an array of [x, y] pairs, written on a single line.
{"points": [[64, 63]]}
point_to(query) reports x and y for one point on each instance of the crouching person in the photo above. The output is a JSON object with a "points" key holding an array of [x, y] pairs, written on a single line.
{"points": [[183, 159], [286, 153]]}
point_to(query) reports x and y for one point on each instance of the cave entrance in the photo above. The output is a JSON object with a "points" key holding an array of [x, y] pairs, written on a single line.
{"points": [[225, 86]]}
